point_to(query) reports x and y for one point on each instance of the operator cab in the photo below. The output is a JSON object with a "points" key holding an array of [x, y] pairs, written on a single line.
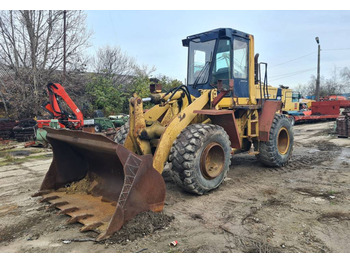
{"points": [[216, 57]]}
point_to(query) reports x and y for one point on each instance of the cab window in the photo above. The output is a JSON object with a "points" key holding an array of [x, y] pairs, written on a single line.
{"points": [[222, 65], [240, 59], [200, 55]]}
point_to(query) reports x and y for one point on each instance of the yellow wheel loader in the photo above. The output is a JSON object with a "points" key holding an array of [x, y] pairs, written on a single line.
{"points": [[194, 129]]}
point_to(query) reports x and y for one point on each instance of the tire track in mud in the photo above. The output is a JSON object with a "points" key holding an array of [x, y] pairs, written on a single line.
{"points": [[299, 162]]}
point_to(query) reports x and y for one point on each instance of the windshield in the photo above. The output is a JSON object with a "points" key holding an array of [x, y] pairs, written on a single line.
{"points": [[200, 55]]}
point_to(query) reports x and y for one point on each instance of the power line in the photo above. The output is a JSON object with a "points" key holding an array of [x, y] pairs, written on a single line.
{"points": [[336, 49], [293, 59], [277, 77], [291, 74]]}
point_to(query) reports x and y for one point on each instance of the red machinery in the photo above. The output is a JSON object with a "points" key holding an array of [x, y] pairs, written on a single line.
{"points": [[333, 97], [66, 120], [326, 110]]}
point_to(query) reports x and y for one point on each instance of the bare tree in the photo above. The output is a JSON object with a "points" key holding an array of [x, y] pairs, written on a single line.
{"points": [[114, 64], [118, 73], [333, 85], [345, 76], [31, 48], [338, 83]]}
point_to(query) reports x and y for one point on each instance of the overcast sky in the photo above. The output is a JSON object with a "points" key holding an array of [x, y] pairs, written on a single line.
{"points": [[284, 39]]}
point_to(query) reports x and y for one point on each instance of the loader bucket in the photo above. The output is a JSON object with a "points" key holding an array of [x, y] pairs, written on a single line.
{"points": [[98, 182]]}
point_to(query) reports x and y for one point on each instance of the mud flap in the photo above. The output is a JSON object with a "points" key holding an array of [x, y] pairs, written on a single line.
{"points": [[98, 182]]}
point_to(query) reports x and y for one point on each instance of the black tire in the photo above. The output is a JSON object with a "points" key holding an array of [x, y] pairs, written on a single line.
{"points": [[278, 150], [98, 128], [192, 148], [122, 133]]}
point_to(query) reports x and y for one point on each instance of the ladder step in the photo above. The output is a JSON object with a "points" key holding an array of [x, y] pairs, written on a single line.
{"points": [[254, 135]]}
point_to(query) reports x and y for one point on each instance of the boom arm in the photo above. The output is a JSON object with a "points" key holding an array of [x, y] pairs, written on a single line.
{"points": [[54, 90], [174, 120]]}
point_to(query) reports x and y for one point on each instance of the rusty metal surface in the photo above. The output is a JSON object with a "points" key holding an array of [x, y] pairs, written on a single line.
{"points": [[329, 107], [212, 160], [90, 129], [283, 141], [325, 107], [266, 118], [314, 117], [226, 119], [219, 97], [119, 183], [343, 124], [83, 208]]}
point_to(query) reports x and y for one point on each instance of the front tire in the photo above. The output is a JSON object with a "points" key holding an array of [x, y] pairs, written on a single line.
{"points": [[200, 158], [278, 150]]}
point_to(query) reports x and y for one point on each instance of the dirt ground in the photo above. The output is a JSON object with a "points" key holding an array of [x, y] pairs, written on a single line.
{"points": [[303, 207]]}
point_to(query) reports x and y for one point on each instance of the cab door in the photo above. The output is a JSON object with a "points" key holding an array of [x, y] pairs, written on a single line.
{"points": [[240, 66]]}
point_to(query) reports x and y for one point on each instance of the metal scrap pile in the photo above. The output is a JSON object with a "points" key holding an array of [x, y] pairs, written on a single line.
{"points": [[343, 124], [25, 131], [6, 128]]}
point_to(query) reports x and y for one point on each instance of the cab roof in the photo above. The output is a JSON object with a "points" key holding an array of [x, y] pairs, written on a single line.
{"points": [[215, 34]]}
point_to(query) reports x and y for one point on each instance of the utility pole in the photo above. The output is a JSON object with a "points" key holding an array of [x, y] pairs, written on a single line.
{"points": [[318, 71], [64, 45]]}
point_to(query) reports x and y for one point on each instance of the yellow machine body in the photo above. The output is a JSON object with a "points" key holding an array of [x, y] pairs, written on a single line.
{"points": [[195, 134]]}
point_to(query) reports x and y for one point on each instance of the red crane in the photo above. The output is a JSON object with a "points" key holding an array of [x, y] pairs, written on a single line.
{"points": [[71, 121]]}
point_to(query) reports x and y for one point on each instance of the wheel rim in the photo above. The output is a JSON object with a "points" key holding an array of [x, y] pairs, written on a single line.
{"points": [[212, 160], [283, 141]]}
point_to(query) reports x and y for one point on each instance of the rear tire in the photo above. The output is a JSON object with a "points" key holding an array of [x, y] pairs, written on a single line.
{"points": [[277, 151], [200, 158]]}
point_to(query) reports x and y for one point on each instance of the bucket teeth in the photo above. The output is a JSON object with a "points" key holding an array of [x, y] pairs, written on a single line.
{"points": [[48, 199], [91, 226], [101, 236], [67, 210], [58, 204], [75, 219], [113, 184], [41, 192]]}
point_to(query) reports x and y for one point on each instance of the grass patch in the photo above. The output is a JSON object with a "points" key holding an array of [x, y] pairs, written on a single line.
{"points": [[9, 159]]}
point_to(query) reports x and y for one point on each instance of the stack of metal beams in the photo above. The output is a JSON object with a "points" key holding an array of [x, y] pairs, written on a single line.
{"points": [[343, 124]]}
